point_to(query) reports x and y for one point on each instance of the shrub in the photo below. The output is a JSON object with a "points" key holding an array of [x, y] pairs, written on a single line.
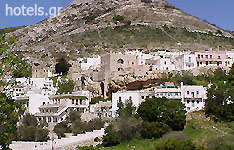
{"points": [[222, 142], [118, 18], [95, 124], [61, 128], [30, 130], [41, 135], [175, 135], [79, 127], [153, 129], [66, 86], [172, 144], [27, 133]]}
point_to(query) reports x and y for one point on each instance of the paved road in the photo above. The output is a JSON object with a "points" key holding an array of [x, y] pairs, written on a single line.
{"points": [[60, 144]]}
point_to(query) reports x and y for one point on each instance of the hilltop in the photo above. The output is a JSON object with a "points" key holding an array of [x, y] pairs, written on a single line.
{"points": [[88, 27]]}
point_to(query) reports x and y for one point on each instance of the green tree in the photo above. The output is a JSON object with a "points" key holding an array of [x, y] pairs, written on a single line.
{"points": [[30, 130], [8, 120], [126, 110], [111, 138], [62, 128], [171, 112], [62, 66], [66, 86], [231, 76], [153, 129], [9, 63], [126, 127], [219, 104]]}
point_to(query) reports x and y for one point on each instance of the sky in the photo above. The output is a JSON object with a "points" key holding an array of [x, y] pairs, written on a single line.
{"points": [[27, 12]]}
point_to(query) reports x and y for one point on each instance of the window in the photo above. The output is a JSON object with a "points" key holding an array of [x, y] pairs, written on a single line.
{"points": [[188, 101], [120, 61], [211, 56], [73, 101], [130, 99], [188, 92], [165, 62], [190, 60], [142, 97], [201, 56], [120, 100], [197, 92], [206, 56], [193, 94], [198, 56], [198, 101], [219, 57]]}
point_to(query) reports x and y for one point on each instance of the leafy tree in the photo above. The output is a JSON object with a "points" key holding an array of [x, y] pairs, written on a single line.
{"points": [[79, 127], [30, 130], [153, 129], [125, 110], [171, 112], [62, 66], [22, 69], [219, 102], [8, 119], [9, 63], [125, 128], [231, 76], [66, 86], [172, 144], [219, 75], [73, 116], [111, 138], [29, 120], [62, 128]]}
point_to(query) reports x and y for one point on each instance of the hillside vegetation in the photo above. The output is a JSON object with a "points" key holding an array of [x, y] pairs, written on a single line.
{"points": [[200, 129]]}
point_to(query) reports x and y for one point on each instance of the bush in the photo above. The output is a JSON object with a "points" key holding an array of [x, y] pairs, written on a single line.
{"points": [[66, 86], [61, 128], [30, 130], [118, 18], [175, 135], [153, 129], [223, 143], [27, 133], [79, 127], [95, 124], [172, 144], [41, 135]]}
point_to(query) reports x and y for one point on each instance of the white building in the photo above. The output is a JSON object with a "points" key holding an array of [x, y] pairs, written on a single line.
{"points": [[89, 63], [134, 97], [59, 106], [193, 97], [168, 90], [189, 61], [33, 92]]}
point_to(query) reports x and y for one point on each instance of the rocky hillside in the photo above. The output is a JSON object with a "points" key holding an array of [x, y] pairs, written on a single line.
{"points": [[87, 27]]}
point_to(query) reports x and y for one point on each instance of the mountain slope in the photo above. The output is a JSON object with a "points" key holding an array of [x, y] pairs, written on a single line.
{"points": [[87, 27]]}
